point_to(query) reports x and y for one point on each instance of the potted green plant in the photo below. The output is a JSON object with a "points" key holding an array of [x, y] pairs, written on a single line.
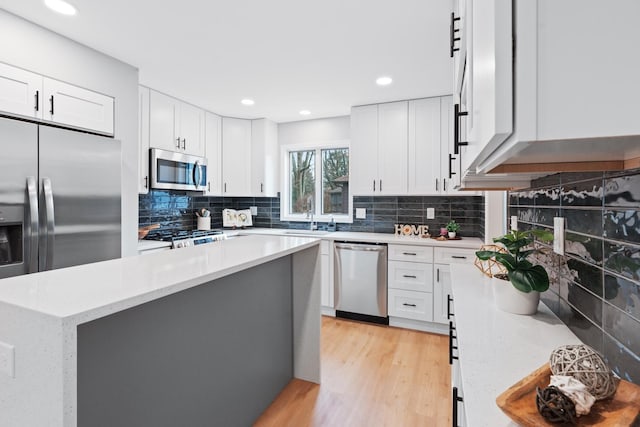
{"points": [[452, 228], [527, 280]]}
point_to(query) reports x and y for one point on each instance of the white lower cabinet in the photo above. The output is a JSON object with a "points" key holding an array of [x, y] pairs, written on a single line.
{"points": [[326, 268], [419, 283], [411, 304]]}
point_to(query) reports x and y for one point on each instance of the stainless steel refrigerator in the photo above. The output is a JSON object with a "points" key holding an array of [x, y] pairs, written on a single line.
{"points": [[60, 197]]}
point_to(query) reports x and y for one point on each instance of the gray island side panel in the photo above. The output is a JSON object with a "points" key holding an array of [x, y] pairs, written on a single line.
{"points": [[215, 354]]}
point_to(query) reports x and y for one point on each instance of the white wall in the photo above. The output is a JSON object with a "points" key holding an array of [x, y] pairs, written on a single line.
{"points": [[313, 131], [37, 49], [495, 215]]}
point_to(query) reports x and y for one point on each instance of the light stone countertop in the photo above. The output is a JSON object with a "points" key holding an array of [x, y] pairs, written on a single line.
{"points": [[497, 349], [99, 289], [353, 236]]}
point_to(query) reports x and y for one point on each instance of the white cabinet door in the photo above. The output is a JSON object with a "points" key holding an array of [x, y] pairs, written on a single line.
{"points": [[363, 152], [441, 292], [163, 118], [143, 139], [491, 75], [424, 156], [264, 158], [236, 157], [410, 304], [213, 153], [77, 107], [392, 147], [191, 129], [20, 92]]}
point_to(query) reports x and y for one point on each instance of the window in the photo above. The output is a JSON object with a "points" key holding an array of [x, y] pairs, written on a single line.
{"points": [[316, 182]]}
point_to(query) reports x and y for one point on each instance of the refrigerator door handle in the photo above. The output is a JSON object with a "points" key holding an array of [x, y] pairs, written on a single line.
{"points": [[50, 218], [32, 225]]}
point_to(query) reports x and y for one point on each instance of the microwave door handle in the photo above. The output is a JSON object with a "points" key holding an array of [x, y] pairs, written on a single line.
{"points": [[32, 224], [50, 219], [197, 174]]}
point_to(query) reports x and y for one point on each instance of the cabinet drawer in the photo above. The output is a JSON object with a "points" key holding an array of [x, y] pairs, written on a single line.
{"points": [[411, 253], [454, 255], [411, 276], [411, 304]]}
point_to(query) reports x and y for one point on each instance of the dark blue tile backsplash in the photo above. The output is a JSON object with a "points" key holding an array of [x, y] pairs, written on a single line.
{"points": [[595, 287], [174, 210]]}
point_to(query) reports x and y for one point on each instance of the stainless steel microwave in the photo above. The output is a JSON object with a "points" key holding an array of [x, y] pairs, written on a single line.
{"points": [[177, 171]]}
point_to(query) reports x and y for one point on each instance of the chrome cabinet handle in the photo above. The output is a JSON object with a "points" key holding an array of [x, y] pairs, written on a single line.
{"points": [[209, 186], [262, 187], [33, 224], [178, 142], [51, 223], [374, 185], [380, 185], [184, 143]]}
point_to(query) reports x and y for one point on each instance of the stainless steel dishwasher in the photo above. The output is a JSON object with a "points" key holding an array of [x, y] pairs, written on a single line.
{"points": [[360, 280]]}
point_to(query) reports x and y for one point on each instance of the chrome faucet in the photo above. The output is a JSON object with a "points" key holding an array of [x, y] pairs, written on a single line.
{"points": [[312, 225]]}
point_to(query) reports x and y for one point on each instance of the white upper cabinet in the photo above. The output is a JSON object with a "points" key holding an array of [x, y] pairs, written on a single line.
{"points": [[264, 158], [20, 92], [363, 152], [77, 107], [378, 154], [30, 95], [213, 153], [143, 139], [392, 147], [575, 84], [424, 147], [176, 125], [236, 157]]}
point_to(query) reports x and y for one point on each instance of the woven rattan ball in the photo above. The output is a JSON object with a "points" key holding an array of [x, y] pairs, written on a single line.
{"points": [[585, 365], [555, 406]]}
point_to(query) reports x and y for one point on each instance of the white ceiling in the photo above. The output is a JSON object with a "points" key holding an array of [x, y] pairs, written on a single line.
{"points": [[287, 55]]}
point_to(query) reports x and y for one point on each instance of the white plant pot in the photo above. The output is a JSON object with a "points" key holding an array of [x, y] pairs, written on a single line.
{"points": [[511, 300], [452, 234]]}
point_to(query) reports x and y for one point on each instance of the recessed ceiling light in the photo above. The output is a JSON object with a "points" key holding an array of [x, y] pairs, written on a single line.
{"points": [[305, 112], [384, 81], [60, 6], [248, 101]]}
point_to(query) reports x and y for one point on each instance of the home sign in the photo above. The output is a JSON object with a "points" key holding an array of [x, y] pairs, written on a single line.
{"points": [[411, 230]]}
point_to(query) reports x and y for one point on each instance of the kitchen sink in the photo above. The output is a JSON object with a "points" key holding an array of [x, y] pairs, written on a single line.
{"points": [[308, 232]]}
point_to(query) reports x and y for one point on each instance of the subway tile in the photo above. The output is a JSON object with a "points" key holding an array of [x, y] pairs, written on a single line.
{"points": [[548, 197], [587, 275], [621, 360], [622, 259], [587, 221], [584, 329], [622, 225], [623, 191], [585, 193], [622, 327], [623, 293], [588, 304], [587, 248]]}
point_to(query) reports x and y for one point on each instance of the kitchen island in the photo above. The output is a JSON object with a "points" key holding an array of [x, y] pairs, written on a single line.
{"points": [[206, 335]]}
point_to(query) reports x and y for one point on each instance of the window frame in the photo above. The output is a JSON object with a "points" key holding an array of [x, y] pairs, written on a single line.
{"points": [[285, 215]]}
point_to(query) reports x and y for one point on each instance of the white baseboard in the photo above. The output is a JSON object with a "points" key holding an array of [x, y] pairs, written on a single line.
{"points": [[435, 328]]}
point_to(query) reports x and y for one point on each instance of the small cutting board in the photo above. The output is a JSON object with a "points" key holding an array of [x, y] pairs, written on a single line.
{"points": [[519, 403]]}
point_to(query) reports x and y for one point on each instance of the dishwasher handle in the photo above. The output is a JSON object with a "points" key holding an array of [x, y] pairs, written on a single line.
{"points": [[361, 247]]}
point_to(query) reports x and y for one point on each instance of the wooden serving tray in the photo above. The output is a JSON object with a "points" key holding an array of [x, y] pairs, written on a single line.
{"points": [[519, 403]]}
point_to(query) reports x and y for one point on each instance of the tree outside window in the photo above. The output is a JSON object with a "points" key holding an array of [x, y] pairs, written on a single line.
{"points": [[335, 181], [303, 180]]}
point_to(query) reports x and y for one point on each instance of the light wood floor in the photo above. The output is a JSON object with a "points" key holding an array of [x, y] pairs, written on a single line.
{"points": [[371, 376]]}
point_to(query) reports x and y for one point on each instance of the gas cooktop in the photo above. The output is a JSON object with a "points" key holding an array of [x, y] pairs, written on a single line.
{"points": [[174, 235]]}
